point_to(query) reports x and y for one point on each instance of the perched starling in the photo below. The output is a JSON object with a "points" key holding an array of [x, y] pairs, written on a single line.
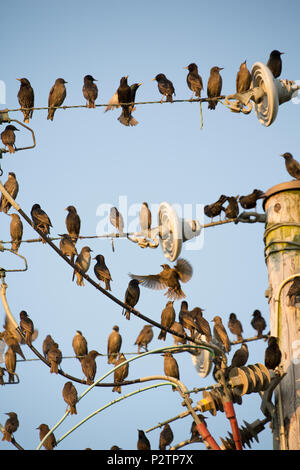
{"points": [[194, 80], [90, 91], [165, 87], [89, 366], [195, 437], [121, 373], [57, 96], [258, 322], [167, 319], [184, 307], [235, 326], [67, 246], [48, 341], [26, 325], [26, 98], [292, 165], [169, 278], [145, 219], [124, 118], [8, 137], [124, 96], [275, 63], [294, 292], [187, 321], [240, 356], [50, 442], [102, 272], [54, 357], [10, 359], [220, 333], [166, 437], [12, 187], [70, 396], [12, 342], [132, 296], [79, 345], [202, 325], [116, 219], [10, 426], [214, 209], [143, 442], [243, 79], [16, 231], [180, 330], [114, 344], [250, 201], [40, 220], [144, 338], [171, 368], [73, 223], [214, 86], [82, 262], [232, 210], [272, 353]]}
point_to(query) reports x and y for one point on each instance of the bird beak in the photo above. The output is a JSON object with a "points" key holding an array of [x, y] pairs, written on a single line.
{"points": [[281, 155], [139, 84], [221, 68], [153, 79], [18, 79], [281, 53], [185, 68]]}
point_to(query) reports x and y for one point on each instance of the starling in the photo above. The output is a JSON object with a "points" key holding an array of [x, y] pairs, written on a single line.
{"points": [[16, 232], [12, 342], [184, 307], [132, 296], [232, 210], [202, 325], [144, 338], [169, 278], [167, 319], [275, 63], [143, 443], [54, 357], [243, 79], [10, 364], [90, 91], [124, 96], [116, 219], [235, 326], [115, 448], [165, 87], [121, 373], [26, 98], [26, 325], [166, 437], [8, 137], [294, 291], [195, 437], [214, 209], [50, 442], [250, 201], [220, 333], [102, 272], [187, 321], [240, 356], [79, 345], [292, 165], [73, 223], [272, 353], [67, 247], [12, 187], [57, 96], [180, 330], [89, 366], [82, 262], [194, 80], [11, 425], [214, 86], [145, 219], [70, 396], [258, 322], [40, 220], [171, 368], [48, 341], [114, 344], [124, 118]]}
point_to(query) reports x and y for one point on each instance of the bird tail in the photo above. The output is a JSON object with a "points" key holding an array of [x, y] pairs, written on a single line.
{"points": [[127, 314], [10, 148], [117, 389], [28, 339], [15, 246], [73, 410], [51, 114], [175, 294], [111, 359], [162, 335], [54, 368], [107, 284], [6, 436], [169, 99], [212, 104], [127, 120]]}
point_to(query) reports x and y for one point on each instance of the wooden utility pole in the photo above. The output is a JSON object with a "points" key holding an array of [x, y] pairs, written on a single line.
{"points": [[282, 253]]}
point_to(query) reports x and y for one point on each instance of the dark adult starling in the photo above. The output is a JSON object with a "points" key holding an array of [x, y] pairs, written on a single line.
{"points": [[82, 262], [16, 232], [194, 80], [50, 442], [202, 325], [114, 344], [220, 333], [145, 219], [214, 209], [79, 344], [124, 96], [294, 292], [26, 325], [275, 63], [167, 319], [26, 98], [180, 330], [116, 219], [132, 296], [165, 87], [67, 247], [121, 373], [10, 359], [166, 437], [144, 338], [258, 322], [292, 165], [124, 118], [240, 356], [143, 442], [54, 357], [214, 86], [70, 396], [12, 187], [235, 326], [12, 342], [8, 137], [57, 96], [272, 353], [243, 78], [73, 223], [10, 426], [171, 368], [195, 437], [90, 91], [250, 201], [232, 210], [89, 366], [102, 272], [48, 341], [40, 220], [169, 278]]}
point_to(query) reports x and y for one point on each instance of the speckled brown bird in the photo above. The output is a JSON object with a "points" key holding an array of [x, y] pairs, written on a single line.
{"points": [[89, 366], [8, 137], [184, 307], [12, 187], [73, 223], [243, 78], [48, 341], [82, 262], [12, 342], [79, 344], [171, 368], [214, 209], [144, 338], [121, 373], [166, 437], [40, 220], [294, 292], [90, 91], [250, 201], [67, 247], [235, 326], [54, 357], [26, 325], [114, 344], [11, 425], [70, 396], [202, 325], [258, 322], [10, 359], [232, 210], [26, 98], [145, 219], [102, 272], [272, 353], [194, 80], [275, 63], [167, 319], [57, 96], [50, 442], [16, 232], [214, 86], [220, 333], [292, 165], [116, 219], [165, 87], [180, 330], [143, 442], [132, 296]]}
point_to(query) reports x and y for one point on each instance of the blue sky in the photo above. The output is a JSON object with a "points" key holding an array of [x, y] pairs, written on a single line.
{"points": [[87, 158]]}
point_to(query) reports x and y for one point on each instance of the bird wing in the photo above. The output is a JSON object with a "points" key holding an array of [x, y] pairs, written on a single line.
{"points": [[184, 269], [42, 217], [152, 281], [113, 102], [50, 96], [103, 272]]}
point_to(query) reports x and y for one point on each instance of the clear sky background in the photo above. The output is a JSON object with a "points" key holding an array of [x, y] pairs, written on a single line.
{"points": [[87, 158]]}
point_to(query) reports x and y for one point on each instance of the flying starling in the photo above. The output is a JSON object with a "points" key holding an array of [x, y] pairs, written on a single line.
{"points": [[26, 98], [126, 118], [194, 80], [8, 137], [10, 426], [82, 262], [272, 353], [57, 96], [167, 319], [79, 344], [114, 344], [258, 322], [235, 326], [240, 356], [73, 223], [180, 330], [275, 63], [26, 325], [70, 396], [102, 272], [201, 324], [132, 296], [214, 86], [54, 357], [89, 366], [16, 232], [294, 292], [166, 437], [292, 165], [121, 373], [214, 209], [40, 220], [143, 442], [12, 342], [124, 96], [145, 219], [220, 333], [232, 210], [243, 79], [10, 359], [171, 368], [48, 341], [50, 442], [90, 91], [67, 247], [116, 219], [250, 201], [168, 278], [144, 338], [12, 187], [165, 87]]}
